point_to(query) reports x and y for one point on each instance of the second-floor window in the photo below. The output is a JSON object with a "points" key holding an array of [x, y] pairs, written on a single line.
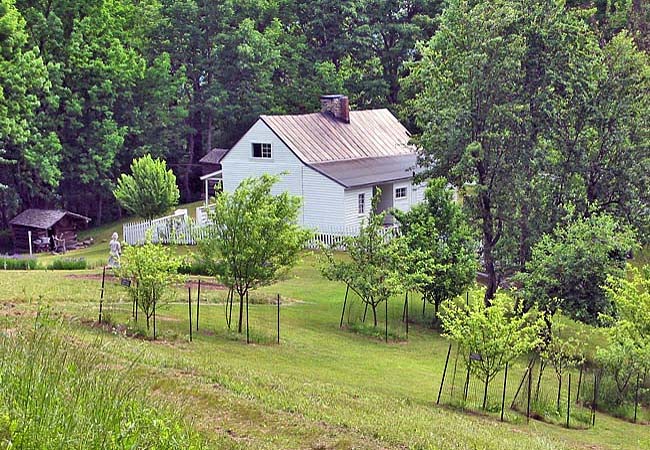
{"points": [[261, 150]]}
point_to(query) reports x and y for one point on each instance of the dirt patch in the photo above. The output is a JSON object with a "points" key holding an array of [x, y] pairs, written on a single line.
{"points": [[12, 310], [205, 284]]}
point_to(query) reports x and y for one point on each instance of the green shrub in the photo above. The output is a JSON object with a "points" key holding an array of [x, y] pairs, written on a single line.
{"points": [[18, 264], [57, 395], [68, 264], [194, 267]]}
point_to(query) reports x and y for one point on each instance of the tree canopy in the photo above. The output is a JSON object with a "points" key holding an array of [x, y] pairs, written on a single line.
{"points": [[150, 190], [569, 268], [526, 106]]}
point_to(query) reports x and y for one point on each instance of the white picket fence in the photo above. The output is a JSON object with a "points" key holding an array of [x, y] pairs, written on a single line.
{"points": [[202, 214], [175, 229], [331, 237], [180, 229]]}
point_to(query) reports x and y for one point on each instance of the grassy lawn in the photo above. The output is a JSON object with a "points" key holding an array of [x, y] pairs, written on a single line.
{"points": [[321, 388]]}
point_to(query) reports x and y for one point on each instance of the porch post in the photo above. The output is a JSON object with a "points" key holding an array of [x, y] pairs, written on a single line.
{"points": [[206, 192]]}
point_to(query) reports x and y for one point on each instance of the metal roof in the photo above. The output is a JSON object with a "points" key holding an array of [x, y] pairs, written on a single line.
{"points": [[214, 156], [319, 137], [43, 218], [367, 171]]}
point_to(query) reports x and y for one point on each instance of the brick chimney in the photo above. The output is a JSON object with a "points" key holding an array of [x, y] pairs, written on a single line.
{"points": [[337, 105]]}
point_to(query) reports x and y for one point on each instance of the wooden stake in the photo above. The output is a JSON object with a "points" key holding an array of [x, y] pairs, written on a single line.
{"points": [[407, 315], [232, 296], [466, 387], [444, 373], [279, 318], [247, 335], [568, 402], [593, 404], [198, 301], [636, 396], [503, 395], [227, 302], [530, 387], [345, 301], [101, 295], [189, 309], [579, 384], [386, 309]]}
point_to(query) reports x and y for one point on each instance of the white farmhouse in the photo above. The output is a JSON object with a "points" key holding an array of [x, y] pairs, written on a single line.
{"points": [[335, 160]]}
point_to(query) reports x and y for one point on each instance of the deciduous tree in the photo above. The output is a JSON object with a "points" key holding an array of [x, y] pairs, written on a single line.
{"points": [[374, 266], [569, 267], [441, 251], [150, 190], [153, 270], [253, 237], [490, 337]]}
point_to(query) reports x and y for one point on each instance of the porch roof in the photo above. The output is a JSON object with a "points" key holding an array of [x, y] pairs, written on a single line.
{"points": [[369, 171]]}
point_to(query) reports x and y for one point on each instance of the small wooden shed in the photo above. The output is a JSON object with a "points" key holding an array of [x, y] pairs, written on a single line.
{"points": [[51, 229]]}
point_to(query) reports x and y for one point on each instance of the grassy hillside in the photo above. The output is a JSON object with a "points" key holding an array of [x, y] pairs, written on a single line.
{"points": [[321, 388]]}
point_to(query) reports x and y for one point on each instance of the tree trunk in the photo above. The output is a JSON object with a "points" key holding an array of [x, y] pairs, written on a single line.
{"points": [[490, 237], [559, 391], [524, 231], [485, 392], [241, 312], [374, 314], [539, 379], [209, 131], [492, 283]]}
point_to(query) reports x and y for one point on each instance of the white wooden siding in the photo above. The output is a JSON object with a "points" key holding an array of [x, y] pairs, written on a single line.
{"points": [[403, 204], [417, 193], [322, 197], [352, 216], [322, 201]]}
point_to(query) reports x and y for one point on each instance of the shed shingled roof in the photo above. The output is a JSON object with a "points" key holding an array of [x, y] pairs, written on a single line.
{"points": [[43, 218], [214, 156], [319, 137]]}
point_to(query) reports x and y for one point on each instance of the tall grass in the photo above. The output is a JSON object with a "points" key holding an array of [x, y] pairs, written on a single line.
{"points": [[59, 395], [18, 263], [68, 264]]}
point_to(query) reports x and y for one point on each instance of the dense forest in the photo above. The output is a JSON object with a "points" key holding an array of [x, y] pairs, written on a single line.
{"points": [[87, 85]]}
